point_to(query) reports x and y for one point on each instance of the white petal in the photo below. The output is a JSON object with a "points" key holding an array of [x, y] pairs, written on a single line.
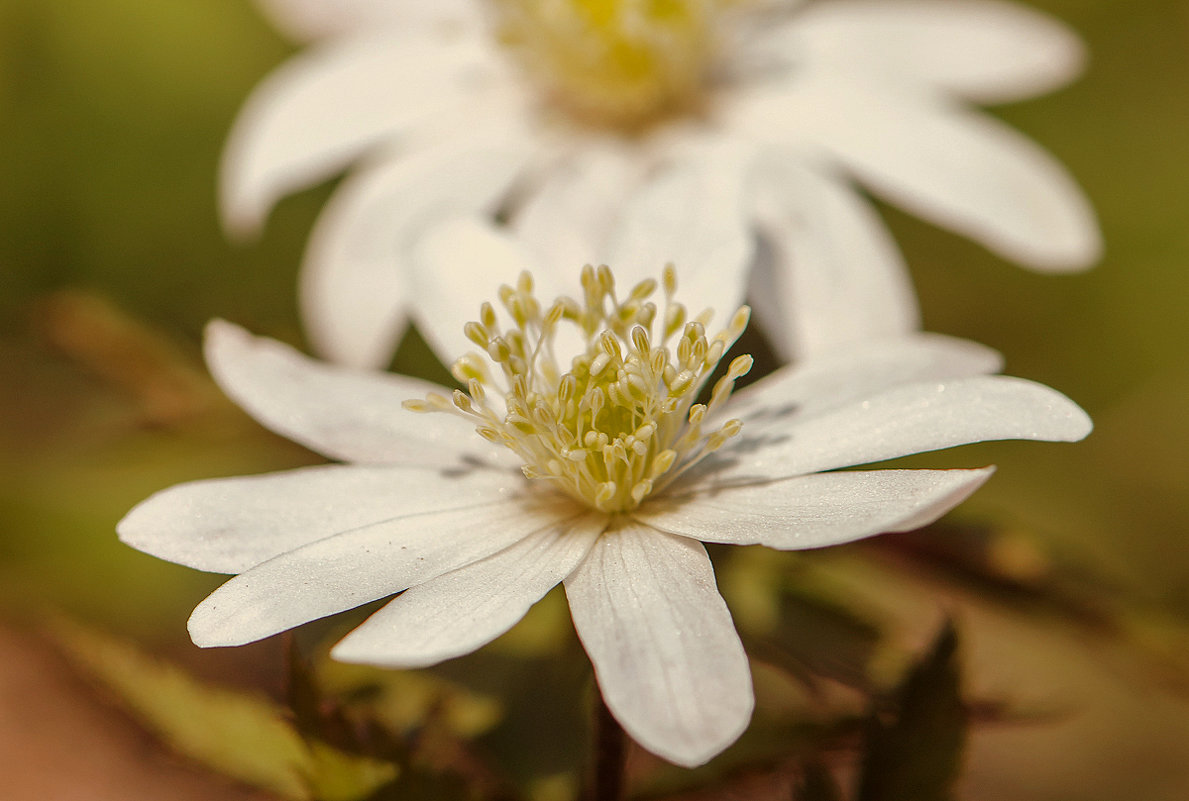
{"points": [[984, 50], [323, 108], [315, 19], [695, 214], [816, 510], [959, 169], [830, 273], [460, 611], [344, 414], [569, 216], [904, 420], [359, 566], [668, 661], [459, 264], [228, 525], [354, 289], [859, 371]]}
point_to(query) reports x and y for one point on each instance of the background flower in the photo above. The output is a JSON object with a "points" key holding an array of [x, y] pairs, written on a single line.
{"points": [[787, 105]]}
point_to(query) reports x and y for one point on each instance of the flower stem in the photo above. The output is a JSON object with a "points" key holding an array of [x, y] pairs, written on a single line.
{"points": [[609, 757]]}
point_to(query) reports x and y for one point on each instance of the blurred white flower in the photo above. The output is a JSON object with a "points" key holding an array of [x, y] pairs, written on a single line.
{"points": [[622, 474], [553, 115]]}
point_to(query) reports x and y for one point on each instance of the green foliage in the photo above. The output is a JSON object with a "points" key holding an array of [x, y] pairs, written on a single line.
{"points": [[913, 753], [243, 736], [403, 700]]}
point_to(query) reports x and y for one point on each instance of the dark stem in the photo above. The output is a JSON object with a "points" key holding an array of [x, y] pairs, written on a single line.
{"points": [[610, 755]]}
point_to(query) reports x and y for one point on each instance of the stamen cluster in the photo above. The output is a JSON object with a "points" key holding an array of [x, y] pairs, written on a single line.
{"points": [[621, 63], [622, 421]]}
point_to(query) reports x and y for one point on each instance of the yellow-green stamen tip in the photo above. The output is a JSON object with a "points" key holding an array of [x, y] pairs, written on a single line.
{"points": [[621, 422]]}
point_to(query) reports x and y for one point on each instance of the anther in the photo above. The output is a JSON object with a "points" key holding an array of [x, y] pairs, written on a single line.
{"points": [[468, 367], [487, 316], [713, 354], [437, 401], [642, 290], [669, 279], [571, 310], [606, 278], [681, 382], [589, 281], [658, 360], [636, 386], [477, 334], [684, 349], [610, 345], [662, 462], [463, 402], [646, 315], [732, 427], [739, 321], [674, 319], [498, 350], [640, 340], [554, 315], [740, 366], [566, 388], [596, 402]]}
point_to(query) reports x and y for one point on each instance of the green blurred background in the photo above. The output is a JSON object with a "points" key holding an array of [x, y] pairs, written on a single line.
{"points": [[112, 115]]}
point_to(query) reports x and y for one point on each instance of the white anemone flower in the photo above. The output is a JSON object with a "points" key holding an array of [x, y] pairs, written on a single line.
{"points": [[552, 116], [628, 461]]}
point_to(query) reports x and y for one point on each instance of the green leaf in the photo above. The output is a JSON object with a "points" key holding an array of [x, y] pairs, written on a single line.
{"points": [[405, 700], [243, 736], [914, 753]]}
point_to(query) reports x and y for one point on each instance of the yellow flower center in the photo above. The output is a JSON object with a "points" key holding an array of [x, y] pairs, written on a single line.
{"points": [[621, 422], [615, 63]]}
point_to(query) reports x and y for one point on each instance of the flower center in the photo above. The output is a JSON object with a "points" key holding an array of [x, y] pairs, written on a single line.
{"points": [[622, 422], [615, 63]]}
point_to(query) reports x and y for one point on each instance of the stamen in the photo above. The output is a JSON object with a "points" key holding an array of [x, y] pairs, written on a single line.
{"points": [[617, 63], [621, 422]]}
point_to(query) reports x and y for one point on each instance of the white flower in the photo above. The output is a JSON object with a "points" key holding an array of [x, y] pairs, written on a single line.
{"points": [[621, 475], [557, 121]]}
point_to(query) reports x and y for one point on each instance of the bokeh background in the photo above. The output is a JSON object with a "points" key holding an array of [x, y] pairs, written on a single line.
{"points": [[112, 115]]}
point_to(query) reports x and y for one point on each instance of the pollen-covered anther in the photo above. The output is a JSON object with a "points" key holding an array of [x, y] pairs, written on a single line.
{"points": [[617, 420]]}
